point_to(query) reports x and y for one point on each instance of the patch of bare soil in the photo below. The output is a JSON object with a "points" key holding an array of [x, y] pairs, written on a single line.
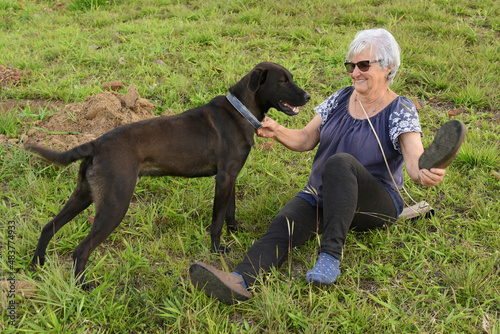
{"points": [[81, 122], [21, 289], [10, 75]]}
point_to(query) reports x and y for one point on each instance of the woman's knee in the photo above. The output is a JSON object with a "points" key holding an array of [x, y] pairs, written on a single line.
{"points": [[340, 162]]}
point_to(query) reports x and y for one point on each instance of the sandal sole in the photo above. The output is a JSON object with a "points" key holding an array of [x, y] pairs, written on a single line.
{"points": [[213, 283], [444, 147]]}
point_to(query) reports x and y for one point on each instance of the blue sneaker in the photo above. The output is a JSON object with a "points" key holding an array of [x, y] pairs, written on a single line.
{"points": [[325, 272]]}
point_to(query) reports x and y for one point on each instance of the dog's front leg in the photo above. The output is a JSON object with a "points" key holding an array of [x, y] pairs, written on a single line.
{"points": [[231, 224], [224, 189]]}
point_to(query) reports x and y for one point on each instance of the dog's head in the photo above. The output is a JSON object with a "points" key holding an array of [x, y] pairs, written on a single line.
{"points": [[272, 86]]}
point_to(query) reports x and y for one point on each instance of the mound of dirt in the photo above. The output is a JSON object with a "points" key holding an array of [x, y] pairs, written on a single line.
{"points": [[81, 122]]}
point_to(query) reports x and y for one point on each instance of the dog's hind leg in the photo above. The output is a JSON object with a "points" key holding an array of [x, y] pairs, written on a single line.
{"points": [[79, 201], [111, 205]]}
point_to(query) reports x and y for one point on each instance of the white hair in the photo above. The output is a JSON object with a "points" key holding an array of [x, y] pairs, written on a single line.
{"points": [[382, 44]]}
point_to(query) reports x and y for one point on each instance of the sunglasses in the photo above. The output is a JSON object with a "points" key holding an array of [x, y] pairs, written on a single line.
{"points": [[363, 65]]}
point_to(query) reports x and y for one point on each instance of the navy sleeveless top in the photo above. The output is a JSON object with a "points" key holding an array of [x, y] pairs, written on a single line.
{"points": [[342, 133]]}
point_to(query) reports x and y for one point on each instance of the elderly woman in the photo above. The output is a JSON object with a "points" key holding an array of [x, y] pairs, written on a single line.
{"points": [[350, 185]]}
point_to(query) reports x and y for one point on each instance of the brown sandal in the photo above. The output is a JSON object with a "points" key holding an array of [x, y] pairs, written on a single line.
{"points": [[444, 147], [222, 285]]}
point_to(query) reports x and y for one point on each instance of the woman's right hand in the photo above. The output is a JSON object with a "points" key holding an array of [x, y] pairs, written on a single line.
{"points": [[268, 128], [299, 140]]}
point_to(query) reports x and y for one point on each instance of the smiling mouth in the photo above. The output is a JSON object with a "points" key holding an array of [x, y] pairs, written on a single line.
{"points": [[288, 109], [359, 80]]}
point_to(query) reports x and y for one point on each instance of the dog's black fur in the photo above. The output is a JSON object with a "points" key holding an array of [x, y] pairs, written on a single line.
{"points": [[213, 139]]}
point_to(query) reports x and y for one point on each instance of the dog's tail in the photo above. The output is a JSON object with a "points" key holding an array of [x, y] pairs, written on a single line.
{"points": [[63, 158]]}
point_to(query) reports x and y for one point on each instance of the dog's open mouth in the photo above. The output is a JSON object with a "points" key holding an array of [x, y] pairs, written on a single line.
{"points": [[288, 109]]}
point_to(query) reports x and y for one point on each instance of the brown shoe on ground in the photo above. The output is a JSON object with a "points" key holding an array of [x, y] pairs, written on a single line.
{"points": [[219, 284], [444, 147]]}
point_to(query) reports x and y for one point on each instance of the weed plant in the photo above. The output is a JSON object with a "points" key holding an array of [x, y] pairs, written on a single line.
{"points": [[438, 275]]}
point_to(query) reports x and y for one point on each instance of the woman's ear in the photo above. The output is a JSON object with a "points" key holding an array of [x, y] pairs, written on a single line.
{"points": [[389, 71]]}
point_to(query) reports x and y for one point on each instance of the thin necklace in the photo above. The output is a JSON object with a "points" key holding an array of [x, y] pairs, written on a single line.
{"points": [[371, 112]]}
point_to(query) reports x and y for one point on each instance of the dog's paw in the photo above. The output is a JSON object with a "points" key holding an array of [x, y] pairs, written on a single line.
{"points": [[87, 287], [237, 226], [221, 250], [233, 228], [224, 250]]}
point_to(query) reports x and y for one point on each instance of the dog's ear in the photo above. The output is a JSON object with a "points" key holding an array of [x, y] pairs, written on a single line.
{"points": [[257, 77]]}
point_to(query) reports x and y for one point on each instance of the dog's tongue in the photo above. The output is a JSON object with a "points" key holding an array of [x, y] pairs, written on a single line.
{"points": [[295, 109]]}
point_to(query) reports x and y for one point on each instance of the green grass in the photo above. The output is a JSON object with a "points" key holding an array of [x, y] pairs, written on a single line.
{"points": [[428, 276]]}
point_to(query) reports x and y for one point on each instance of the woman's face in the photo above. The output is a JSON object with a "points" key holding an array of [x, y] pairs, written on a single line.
{"points": [[372, 80]]}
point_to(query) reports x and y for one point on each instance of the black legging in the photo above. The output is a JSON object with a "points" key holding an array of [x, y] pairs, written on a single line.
{"points": [[352, 198]]}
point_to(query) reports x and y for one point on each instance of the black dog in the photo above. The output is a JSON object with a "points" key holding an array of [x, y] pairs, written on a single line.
{"points": [[213, 139]]}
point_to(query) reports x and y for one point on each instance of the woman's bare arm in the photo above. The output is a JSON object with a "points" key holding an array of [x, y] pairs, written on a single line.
{"points": [[299, 140]]}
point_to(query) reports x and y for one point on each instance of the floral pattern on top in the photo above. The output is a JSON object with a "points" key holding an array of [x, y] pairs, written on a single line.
{"points": [[403, 118], [327, 106]]}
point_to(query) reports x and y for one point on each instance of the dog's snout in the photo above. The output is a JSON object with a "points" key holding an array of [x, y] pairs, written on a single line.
{"points": [[307, 97]]}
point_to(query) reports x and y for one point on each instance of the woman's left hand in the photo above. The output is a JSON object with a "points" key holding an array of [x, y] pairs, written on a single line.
{"points": [[411, 146], [432, 177]]}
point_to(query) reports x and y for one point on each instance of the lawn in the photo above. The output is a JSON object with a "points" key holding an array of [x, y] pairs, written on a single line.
{"points": [[437, 275]]}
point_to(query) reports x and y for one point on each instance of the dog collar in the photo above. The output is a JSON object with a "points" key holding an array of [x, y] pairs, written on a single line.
{"points": [[244, 111]]}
